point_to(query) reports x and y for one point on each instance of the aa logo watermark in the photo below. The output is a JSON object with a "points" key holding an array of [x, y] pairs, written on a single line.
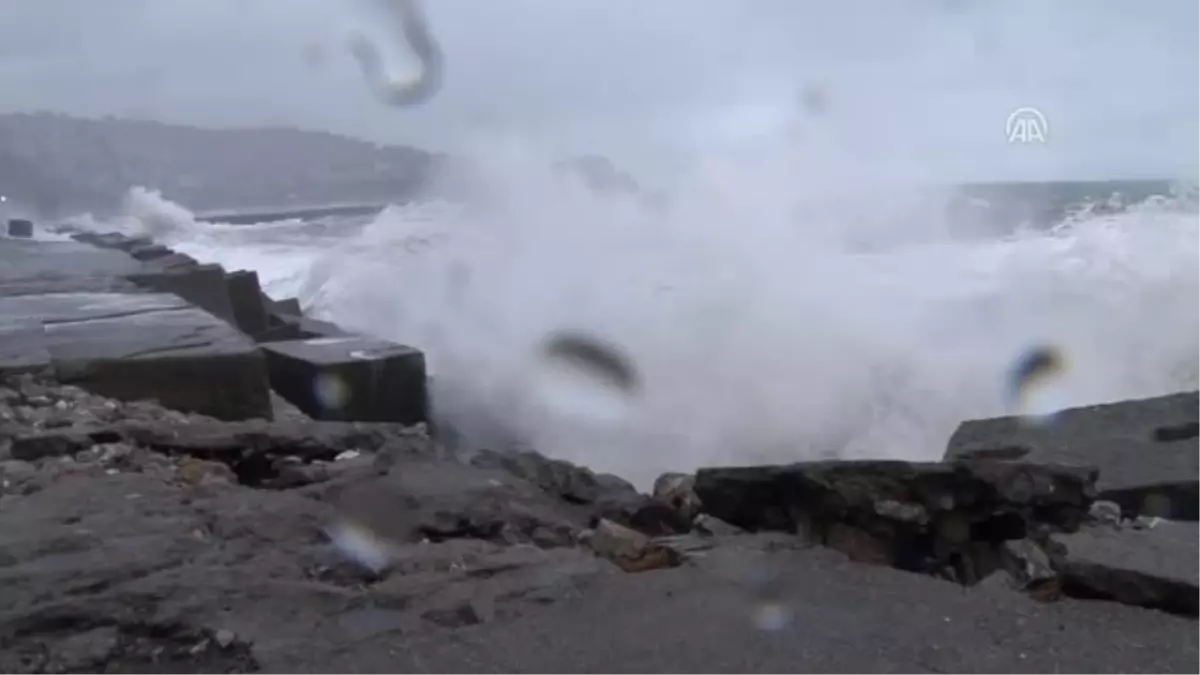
{"points": [[1026, 125]]}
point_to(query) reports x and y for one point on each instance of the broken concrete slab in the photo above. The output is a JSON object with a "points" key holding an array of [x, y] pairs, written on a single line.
{"points": [[1146, 450], [144, 346], [350, 378], [946, 519], [1153, 567]]}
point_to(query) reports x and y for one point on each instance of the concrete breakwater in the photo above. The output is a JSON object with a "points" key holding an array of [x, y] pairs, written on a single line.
{"points": [[132, 319], [142, 535]]}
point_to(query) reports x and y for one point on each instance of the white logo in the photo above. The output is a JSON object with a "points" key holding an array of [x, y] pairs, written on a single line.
{"points": [[1026, 125]]}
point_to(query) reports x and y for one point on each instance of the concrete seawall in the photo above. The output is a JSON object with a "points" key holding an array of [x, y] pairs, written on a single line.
{"points": [[133, 320]]}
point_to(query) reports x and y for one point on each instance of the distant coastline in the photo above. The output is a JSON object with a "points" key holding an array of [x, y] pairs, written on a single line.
{"points": [[54, 164]]}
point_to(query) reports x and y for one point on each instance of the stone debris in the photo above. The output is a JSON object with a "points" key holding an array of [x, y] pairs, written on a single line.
{"points": [[629, 549]]}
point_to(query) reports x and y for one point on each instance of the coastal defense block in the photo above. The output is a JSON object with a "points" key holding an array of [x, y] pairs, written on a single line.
{"points": [[350, 378]]}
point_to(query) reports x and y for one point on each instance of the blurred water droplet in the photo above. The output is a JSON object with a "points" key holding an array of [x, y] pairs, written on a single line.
{"points": [[602, 360], [458, 282], [772, 616], [313, 56], [358, 543], [1036, 384], [330, 391], [814, 99], [415, 30], [769, 613], [584, 376], [1157, 505]]}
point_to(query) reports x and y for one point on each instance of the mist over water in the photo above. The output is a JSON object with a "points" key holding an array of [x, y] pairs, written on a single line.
{"points": [[802, 293]]}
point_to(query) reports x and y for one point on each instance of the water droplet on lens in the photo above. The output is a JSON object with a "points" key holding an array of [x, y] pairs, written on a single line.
{"points": [[330, 392]]}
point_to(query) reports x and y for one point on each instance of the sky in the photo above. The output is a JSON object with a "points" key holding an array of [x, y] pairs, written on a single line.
{"points": [[653, 83]]}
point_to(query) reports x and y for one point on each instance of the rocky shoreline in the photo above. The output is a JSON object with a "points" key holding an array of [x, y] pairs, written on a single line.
{"points": [[197, 478]]}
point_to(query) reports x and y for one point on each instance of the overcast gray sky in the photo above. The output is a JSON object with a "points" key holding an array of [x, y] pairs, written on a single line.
{"points": [[646, 80]]}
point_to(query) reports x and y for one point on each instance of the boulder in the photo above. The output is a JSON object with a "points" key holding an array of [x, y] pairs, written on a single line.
{"points": [[629, 549], [140, 346], [1147, 450], [604, 496], [20, 228], [350, 378], [937, 518]]}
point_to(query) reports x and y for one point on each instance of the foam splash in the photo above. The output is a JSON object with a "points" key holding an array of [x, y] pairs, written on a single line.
{"points": [[775, 342]]}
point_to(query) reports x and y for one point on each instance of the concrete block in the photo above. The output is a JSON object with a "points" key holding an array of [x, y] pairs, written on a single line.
{"points": [[172, 262], [111, 240], [285, 307], [287, 328], [204, 286], [139, 346], [350, 378], [20, 228], [247, 300], [1147, 450]]}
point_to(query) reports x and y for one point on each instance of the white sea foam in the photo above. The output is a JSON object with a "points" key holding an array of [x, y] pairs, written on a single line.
{"points": [[759, 333]]}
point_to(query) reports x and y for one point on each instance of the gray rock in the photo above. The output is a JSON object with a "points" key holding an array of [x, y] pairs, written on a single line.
{"points": [[35, 446], [1147, 450], [350, 378], [1106, 512], [1027, 563], [1154, 567], [603, 495]]}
